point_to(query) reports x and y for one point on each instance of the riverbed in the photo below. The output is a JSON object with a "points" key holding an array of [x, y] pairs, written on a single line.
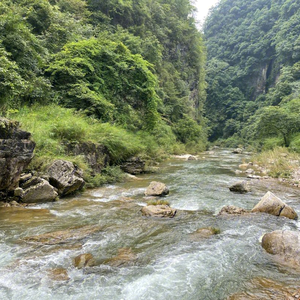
{"points": [[167, 263]]}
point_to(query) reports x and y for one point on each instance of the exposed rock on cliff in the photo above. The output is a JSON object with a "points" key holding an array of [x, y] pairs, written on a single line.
{"points": [[16, 152]]}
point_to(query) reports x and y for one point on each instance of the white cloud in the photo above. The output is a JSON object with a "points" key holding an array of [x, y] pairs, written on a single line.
{"points": [[202, 8]]}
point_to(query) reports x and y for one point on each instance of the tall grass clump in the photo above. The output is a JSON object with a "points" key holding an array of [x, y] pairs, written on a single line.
{"points": [[279, 162]]}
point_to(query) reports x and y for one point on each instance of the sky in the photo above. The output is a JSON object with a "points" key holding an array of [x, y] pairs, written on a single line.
{"points": [[203, 6]]}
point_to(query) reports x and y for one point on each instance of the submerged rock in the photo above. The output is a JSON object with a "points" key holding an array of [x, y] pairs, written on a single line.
{"points": [[58, 274], [232, 210], [134, 166], [263, 288], [203, 233], [156, 189], [158, 211], [125, 257], [63, 236], [16, 152], [241, 187], [84, 260], [285, 245], [65, 176], [271, 204]]}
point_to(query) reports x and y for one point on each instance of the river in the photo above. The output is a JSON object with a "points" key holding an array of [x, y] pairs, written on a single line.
{"points": [[168, 264]]}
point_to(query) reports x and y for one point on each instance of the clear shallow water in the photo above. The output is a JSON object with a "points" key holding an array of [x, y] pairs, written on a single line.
{"points": [[169, 264]]}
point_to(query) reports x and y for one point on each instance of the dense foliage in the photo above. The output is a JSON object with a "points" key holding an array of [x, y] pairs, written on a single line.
{"points": [[135, 64], [253, 62]]}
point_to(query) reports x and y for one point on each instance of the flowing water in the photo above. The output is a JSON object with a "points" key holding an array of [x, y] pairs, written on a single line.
{"points": [[168, 263]]}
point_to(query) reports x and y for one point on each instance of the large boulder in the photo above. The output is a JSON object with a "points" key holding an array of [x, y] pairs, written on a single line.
{"points": [[16, 152], [156, 189], [241, 187], [36, 190], [285, 245], [134, 166], [65, 176], [271, 204], [161, 211], [96, 155], [237, 151]]}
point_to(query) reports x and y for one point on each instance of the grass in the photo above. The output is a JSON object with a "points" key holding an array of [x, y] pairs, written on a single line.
{"points": [[279, 162], [52, 127]]}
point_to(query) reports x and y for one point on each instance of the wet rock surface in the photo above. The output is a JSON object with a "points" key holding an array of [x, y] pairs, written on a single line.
{"points": [[271, 204], [263, 289], [125, 257], [203, 233], [161, 211], [58, 274], [63, 236], [157, 189], [232, 210], [84, 260]]}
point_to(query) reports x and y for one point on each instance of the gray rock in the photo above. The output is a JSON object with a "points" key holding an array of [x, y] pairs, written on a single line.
{"points": [[271, 204], [285, 245], [134, 166], [16, 152], [42, 191], [156, 189], [241, 187], [18, 192], [65, 176], [160, 211], [192, 157], [96, 155], [237, 151]]}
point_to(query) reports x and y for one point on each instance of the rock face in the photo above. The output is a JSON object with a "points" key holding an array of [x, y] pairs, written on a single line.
{"points": [[16, 152], [161, 211], [241, 187], [156, 189], [271, 204], [134, 166], [232, 210], [203, 233], [65, 176], [37, 190], [84, 260], [285, 245], [96, 155]]}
